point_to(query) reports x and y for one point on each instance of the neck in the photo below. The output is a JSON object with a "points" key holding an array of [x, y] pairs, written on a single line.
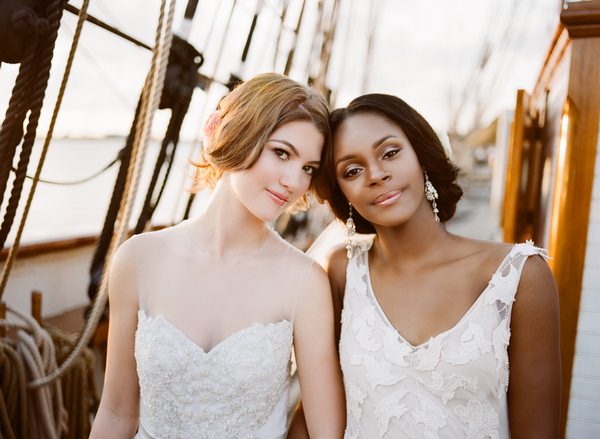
{"points": [[227, 228], [412, 241]]}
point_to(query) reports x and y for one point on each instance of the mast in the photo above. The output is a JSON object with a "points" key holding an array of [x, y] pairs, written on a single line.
{"points": [[328, 31], [290, 58], [188, 17]]}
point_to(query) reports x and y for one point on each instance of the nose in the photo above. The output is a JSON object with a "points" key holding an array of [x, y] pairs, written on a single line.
{"points": [[292, 180], [377, 175]]}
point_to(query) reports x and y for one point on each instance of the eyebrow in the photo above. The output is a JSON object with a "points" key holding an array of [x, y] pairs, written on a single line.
{"points": [[374, 146], [295, 151]]}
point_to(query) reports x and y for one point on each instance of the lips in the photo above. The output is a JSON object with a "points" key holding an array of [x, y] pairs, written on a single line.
{"points": [[388, 198], [279, 198]]}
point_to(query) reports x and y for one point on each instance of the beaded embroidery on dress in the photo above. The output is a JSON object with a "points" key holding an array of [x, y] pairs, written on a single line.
{"points": [[238, 389], [452, 386]]}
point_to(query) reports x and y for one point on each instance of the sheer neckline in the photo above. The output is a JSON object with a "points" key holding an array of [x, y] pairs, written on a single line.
{"points": [[228, 339], [442, 334]]}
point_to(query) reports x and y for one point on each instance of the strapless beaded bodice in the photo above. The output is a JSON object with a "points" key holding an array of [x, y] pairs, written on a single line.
{"points": [[238, 389]]}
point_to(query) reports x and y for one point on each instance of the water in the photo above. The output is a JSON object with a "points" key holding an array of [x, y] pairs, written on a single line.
{"points": [[60, 212]]}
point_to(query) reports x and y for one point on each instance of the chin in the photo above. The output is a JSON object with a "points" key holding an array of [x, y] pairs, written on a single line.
{"points": [[265, 214], [391, 218]]}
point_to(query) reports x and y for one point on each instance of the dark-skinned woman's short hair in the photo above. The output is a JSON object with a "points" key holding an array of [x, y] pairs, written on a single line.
{"points": [[425, 142]]}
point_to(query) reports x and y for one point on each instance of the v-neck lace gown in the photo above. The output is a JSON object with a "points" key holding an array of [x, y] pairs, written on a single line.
{"points": [[238, 389], [452, 386]]}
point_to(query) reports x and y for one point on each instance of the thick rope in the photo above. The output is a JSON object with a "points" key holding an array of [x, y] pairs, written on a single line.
{"points": [[99, 259], [108, 228], [171, 139], [13, 250], [44, 412], [37, 412], [41, 408], [79, 390], [43, 346], [152, 92], [14, 396], [15, 114], [54, 12]]}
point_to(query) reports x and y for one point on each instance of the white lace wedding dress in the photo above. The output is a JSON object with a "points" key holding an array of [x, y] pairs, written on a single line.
{"points": [[452, 386], [238, 389]]}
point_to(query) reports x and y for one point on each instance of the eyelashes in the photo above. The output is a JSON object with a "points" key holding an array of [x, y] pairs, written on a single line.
{"points": [[281, 153], [310, 170], [284, 156], [353, 170]]}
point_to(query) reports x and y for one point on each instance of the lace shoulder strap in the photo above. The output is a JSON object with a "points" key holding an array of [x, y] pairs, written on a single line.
{"points": [[360, 245], [505, 281]]}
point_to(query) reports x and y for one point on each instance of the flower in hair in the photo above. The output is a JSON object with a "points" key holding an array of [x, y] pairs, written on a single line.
{"points": [[212, 123]]}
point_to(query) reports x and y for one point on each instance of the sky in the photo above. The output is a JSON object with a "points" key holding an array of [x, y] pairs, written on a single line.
{"points": [[427, 52]]}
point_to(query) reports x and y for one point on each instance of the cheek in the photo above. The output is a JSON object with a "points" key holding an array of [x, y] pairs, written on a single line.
{"points": [[263, 168], [351, 190], [305, 181]]}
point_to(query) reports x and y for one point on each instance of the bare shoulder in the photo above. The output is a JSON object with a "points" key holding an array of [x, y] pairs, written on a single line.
{"points": [[126, 255], [305, 269], [138, 253], [337, 264], [337, 261], [537, 284], [152, 247], [122, 282]]}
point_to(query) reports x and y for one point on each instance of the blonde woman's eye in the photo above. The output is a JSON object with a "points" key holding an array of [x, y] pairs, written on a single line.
{"points": [[281, 153], [310, 170]]}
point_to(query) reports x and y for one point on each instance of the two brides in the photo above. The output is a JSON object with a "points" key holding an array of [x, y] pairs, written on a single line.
{"points": [[204, 315]]}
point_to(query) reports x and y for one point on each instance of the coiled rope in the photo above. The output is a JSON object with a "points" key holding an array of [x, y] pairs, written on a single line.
{"points": [[59, 410], [13, 393], [36, 350]]}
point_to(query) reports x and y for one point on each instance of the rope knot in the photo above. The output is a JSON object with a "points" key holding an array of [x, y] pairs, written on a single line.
{"points": [[24, 21], [41, 26]]}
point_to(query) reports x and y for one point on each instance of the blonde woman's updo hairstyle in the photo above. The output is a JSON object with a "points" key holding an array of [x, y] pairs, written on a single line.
{"points": [[247, 117]]}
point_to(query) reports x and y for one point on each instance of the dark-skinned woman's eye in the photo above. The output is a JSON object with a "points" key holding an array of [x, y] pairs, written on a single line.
{"points": [[352, 172], [390, 153]]}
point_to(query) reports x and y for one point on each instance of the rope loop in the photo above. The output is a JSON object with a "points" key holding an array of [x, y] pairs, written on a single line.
{"points": [[25, 21]]}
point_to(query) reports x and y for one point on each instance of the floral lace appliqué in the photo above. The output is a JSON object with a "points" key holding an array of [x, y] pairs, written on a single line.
{"points": [[454, 385], [480, 418]]}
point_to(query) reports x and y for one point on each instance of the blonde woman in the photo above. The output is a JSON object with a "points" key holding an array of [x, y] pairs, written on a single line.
{"points": [[204, 315]]}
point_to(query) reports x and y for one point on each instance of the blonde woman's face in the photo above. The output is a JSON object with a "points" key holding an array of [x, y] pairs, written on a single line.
{"points": [[283, 171]]}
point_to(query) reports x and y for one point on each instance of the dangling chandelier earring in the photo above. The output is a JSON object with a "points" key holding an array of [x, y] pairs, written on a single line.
{"points": [[431, 195], [350, 231]]}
